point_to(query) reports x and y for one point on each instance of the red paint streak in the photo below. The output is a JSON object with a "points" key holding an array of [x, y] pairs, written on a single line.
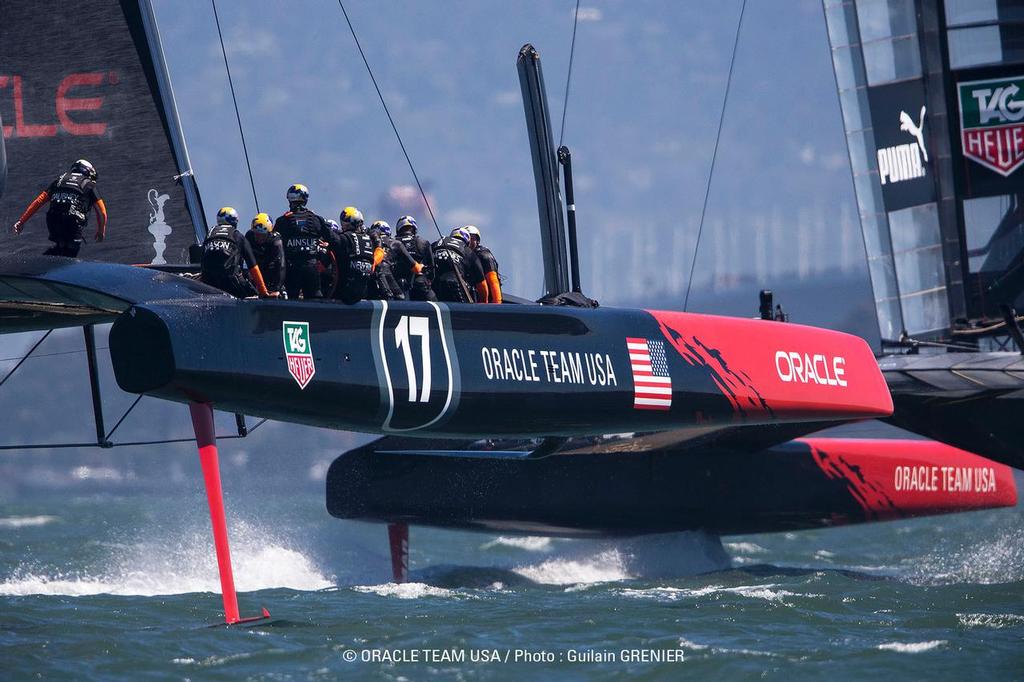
{"points": [[202, 422], [740, 357], [876, 472]]}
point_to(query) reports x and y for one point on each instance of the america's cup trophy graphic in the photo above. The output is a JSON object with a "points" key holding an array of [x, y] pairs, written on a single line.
{"points": [[157, 227]]}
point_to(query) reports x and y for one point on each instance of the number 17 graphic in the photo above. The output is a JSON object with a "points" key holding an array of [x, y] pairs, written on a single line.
{"points": [[408, 327]]}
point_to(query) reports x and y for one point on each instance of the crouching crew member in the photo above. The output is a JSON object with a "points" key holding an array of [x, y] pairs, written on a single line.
{"points": [[458, 270], [71, 196], [301, 231], [489, 264], [417, 283], [224, 252], [396, 263], [268, 249], [357, 254]]}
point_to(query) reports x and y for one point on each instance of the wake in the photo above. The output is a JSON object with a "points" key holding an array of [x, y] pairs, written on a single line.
{"points": [[184, 565]]}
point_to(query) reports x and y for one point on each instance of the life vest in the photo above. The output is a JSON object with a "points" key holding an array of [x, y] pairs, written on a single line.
{"points": [[221, 255], [70, 196]]}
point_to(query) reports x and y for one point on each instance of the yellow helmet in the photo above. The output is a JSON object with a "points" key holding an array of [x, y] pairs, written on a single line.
{"points": [[351, 218], [262, 224], [227, 216], [297, 194]]}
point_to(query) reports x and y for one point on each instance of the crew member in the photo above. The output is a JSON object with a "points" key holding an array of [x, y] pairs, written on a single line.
{"points": [[71, 196], [301, 232], [327, 260], [268, 249], [489, 264], [396, 261], [224, 252], [458, 270], [358, 253], [416, 283]]}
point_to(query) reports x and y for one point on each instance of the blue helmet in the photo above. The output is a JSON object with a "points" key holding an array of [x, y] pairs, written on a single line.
{"points": [[461, 233], [382, 227], [406, 222], [333, 224]]}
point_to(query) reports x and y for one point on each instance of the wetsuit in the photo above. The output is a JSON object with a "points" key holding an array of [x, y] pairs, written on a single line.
{"points": [[224, 252], [493, 280], [395, 261], [418, 284], [270, 257], [355, 264], [71, 196], [301, 231], [458, 271]]}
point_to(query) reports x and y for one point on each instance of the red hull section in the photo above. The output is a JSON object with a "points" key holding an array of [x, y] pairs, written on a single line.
{"points": [[894, 479], [787, 371]]}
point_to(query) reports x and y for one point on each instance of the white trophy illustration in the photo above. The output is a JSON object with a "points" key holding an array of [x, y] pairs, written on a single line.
{"points": [[157, 227]]}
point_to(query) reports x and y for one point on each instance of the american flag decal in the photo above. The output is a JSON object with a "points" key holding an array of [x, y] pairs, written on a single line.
{"points": [[652, 383]]}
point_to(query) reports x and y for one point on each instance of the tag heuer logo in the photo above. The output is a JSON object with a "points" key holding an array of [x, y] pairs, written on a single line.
{"points": [[298, 351], [992, 123]]}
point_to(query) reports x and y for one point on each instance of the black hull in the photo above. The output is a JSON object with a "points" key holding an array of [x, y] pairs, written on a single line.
{"points": [[798, 485]]}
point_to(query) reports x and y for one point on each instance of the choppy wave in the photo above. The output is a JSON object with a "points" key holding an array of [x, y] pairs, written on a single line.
{"points": [[27, 521], [411, 591], [527, 542], [992, 561], [912, 647], [990, 620], [650, 556], [745, 547], [185, 565], [768, 592]]}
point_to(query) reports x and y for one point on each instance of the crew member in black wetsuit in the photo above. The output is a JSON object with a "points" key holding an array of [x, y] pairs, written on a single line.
{"points": [[395, 263], [302, 231], [357, 255], [224, 253], [458, 270], [268, 249], [417, 284], [71, 196], [489, 264]]}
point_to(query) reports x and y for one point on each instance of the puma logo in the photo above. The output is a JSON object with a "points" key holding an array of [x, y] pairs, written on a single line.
{"points": [[907, 125]]}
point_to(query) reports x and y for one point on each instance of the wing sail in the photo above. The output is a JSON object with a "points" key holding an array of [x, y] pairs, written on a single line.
{"points": [[112, 106]]}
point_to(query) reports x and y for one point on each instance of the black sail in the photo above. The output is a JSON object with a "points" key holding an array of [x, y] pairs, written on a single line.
{"points": [[88, 81]]}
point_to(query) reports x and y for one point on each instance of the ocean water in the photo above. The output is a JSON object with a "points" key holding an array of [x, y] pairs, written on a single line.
{"points": [[125, 586]]}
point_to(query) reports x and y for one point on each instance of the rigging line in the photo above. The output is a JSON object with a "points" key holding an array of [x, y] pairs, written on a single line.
{"points": [[388, 112], [257, 425], [50, 355], [48, 446], [58, 446], [238, 116], [123, 417], [714, 154], [568, 77], [23, 359]]}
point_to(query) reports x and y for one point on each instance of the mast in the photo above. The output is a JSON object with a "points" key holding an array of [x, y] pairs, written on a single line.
{"points": [[545, 170], [3, 161], [170, 110]]}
